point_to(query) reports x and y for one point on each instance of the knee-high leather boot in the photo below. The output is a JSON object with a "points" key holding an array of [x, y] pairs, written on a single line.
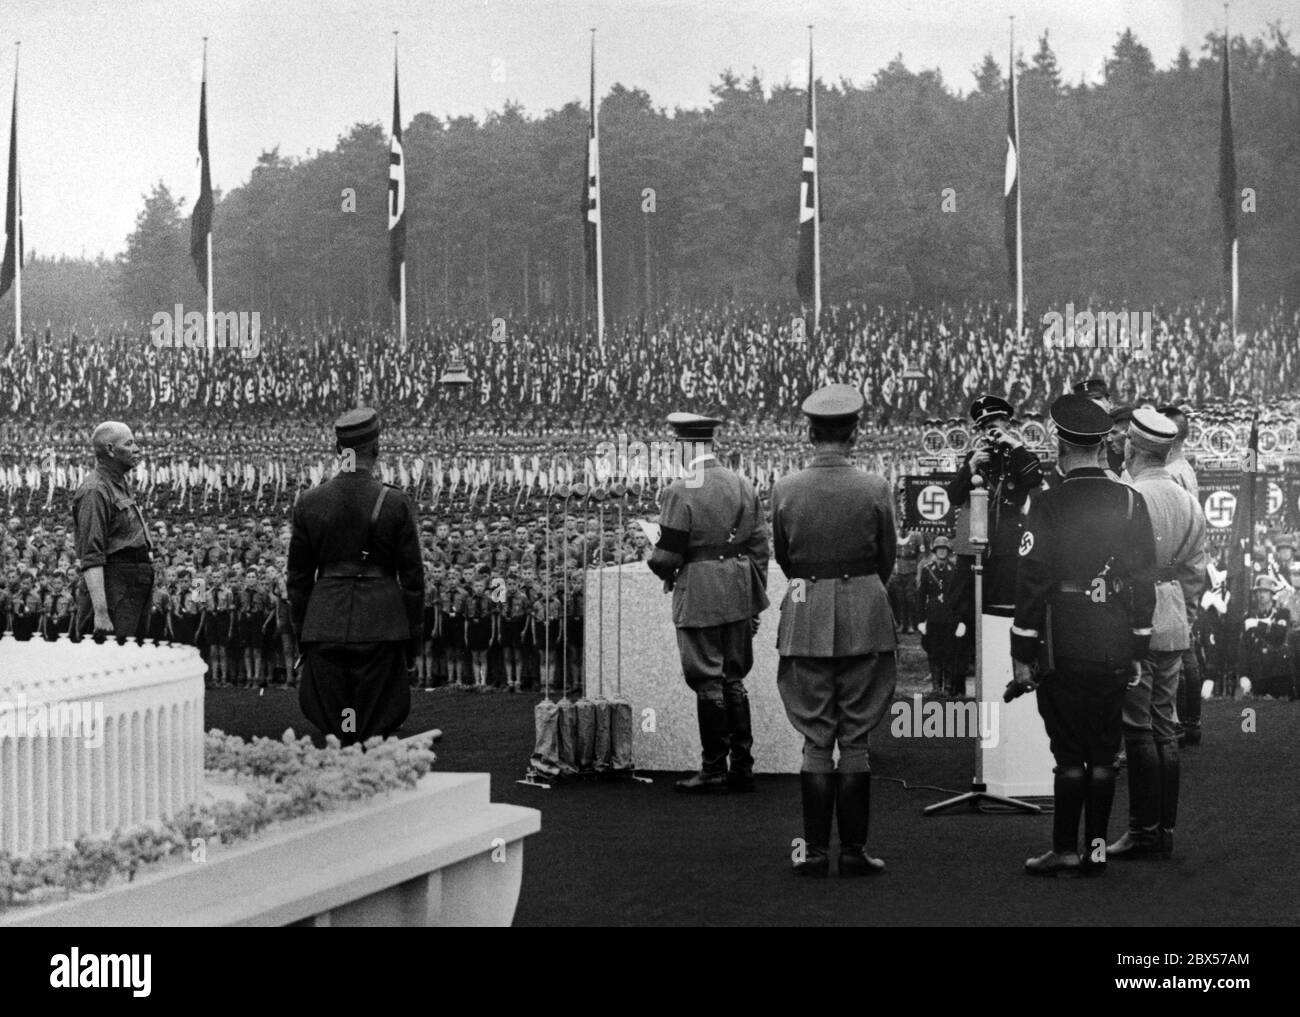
{"points": [[1170, 768], [1096, 818], [740, 776], [1069, 788], [817, 791], [1142, 836], [853, 808], [712, 715]]}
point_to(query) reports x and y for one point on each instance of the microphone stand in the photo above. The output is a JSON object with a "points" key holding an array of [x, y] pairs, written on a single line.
{"points": [[979, 792]]}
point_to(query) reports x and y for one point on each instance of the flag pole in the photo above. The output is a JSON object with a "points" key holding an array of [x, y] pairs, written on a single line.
{"points": [[211, 319], [1020, 252], [17, 239], [1227, 44], [401, 268], [817, 195], [595, 170]]}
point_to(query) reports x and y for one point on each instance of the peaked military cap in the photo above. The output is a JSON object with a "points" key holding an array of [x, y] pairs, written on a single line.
{"points": [[693, 426], [1093, 388], [834, 404], [1079, 420], [356, 427], [988, 406]]}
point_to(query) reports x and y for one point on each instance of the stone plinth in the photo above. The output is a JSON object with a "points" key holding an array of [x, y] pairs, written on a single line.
{"points": [[95, 738], [652, 677], [439, 854]]}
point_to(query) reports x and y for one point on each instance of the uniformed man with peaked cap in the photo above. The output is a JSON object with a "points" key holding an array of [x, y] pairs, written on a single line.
{"points": [[1095, 389], [1150, 716], [712, 553], [1084, 603], [833, 536], [356, 591]]}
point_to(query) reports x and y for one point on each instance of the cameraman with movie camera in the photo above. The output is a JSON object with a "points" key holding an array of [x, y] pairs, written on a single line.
{"points": [[1011, 473]]}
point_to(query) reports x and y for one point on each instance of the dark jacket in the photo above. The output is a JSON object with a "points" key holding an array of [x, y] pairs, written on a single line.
{"points": [[1089, 553], [330, 523]]}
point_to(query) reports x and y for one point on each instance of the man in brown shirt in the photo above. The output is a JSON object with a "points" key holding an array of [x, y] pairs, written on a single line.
{"points": [[113, 546]]}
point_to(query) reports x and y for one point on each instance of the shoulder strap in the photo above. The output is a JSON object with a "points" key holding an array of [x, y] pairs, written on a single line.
{"points": [[374, 517]]}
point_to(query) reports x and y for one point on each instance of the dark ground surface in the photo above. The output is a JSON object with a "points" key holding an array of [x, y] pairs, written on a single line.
{"points": [[640, 854]]}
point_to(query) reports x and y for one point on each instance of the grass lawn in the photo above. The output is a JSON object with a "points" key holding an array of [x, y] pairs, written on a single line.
{"points": [[640, 854]]}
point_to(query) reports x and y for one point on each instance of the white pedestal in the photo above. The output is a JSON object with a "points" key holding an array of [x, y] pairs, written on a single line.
{"points": [[1020, 764], [665, 731]]}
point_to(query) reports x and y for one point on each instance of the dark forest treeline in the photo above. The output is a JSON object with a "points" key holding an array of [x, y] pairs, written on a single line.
{"points": [[1119, 185]]}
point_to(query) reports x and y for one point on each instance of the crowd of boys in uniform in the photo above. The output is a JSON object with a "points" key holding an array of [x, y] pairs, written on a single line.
{"points": [[500, 610]]}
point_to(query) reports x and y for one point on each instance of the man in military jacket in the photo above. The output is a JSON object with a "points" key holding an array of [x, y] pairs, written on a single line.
{"points": [[939, 624], [713, 554], [356, 592], [833, 536], [903, 584], [1264, 655], [1084, 604], [1150, 714]]}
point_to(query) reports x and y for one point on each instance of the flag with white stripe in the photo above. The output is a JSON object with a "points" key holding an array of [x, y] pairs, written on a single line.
{"points": [[1011, 179], [808, 270], [396, 199]]}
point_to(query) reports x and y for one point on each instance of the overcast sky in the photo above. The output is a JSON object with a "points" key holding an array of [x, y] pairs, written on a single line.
{"points": [[109, 89]]}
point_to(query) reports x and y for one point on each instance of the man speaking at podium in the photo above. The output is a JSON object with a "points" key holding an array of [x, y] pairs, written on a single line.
{"points": [[1084, 604], [712, 554]]}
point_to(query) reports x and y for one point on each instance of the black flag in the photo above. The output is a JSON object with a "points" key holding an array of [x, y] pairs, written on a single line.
{"points": [[1227, 172], [396, 200], [13, 209], [201, 221]]}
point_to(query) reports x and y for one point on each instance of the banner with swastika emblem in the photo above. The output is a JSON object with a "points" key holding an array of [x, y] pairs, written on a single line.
{"points": [[926, 506], [1223, 495]]}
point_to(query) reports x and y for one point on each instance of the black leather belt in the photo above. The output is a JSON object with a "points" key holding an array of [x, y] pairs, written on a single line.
{"points": [[352, 570], [712, 552], [1070, 586], [844, 568], [130, 556]]}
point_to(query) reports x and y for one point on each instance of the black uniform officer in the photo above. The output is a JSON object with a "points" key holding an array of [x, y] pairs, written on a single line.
{"points": [[833, 536], [1011, 473], [1095, 389], [939, 626], [1084, 604], [112, 541], [356, 592], [713, 553]]}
